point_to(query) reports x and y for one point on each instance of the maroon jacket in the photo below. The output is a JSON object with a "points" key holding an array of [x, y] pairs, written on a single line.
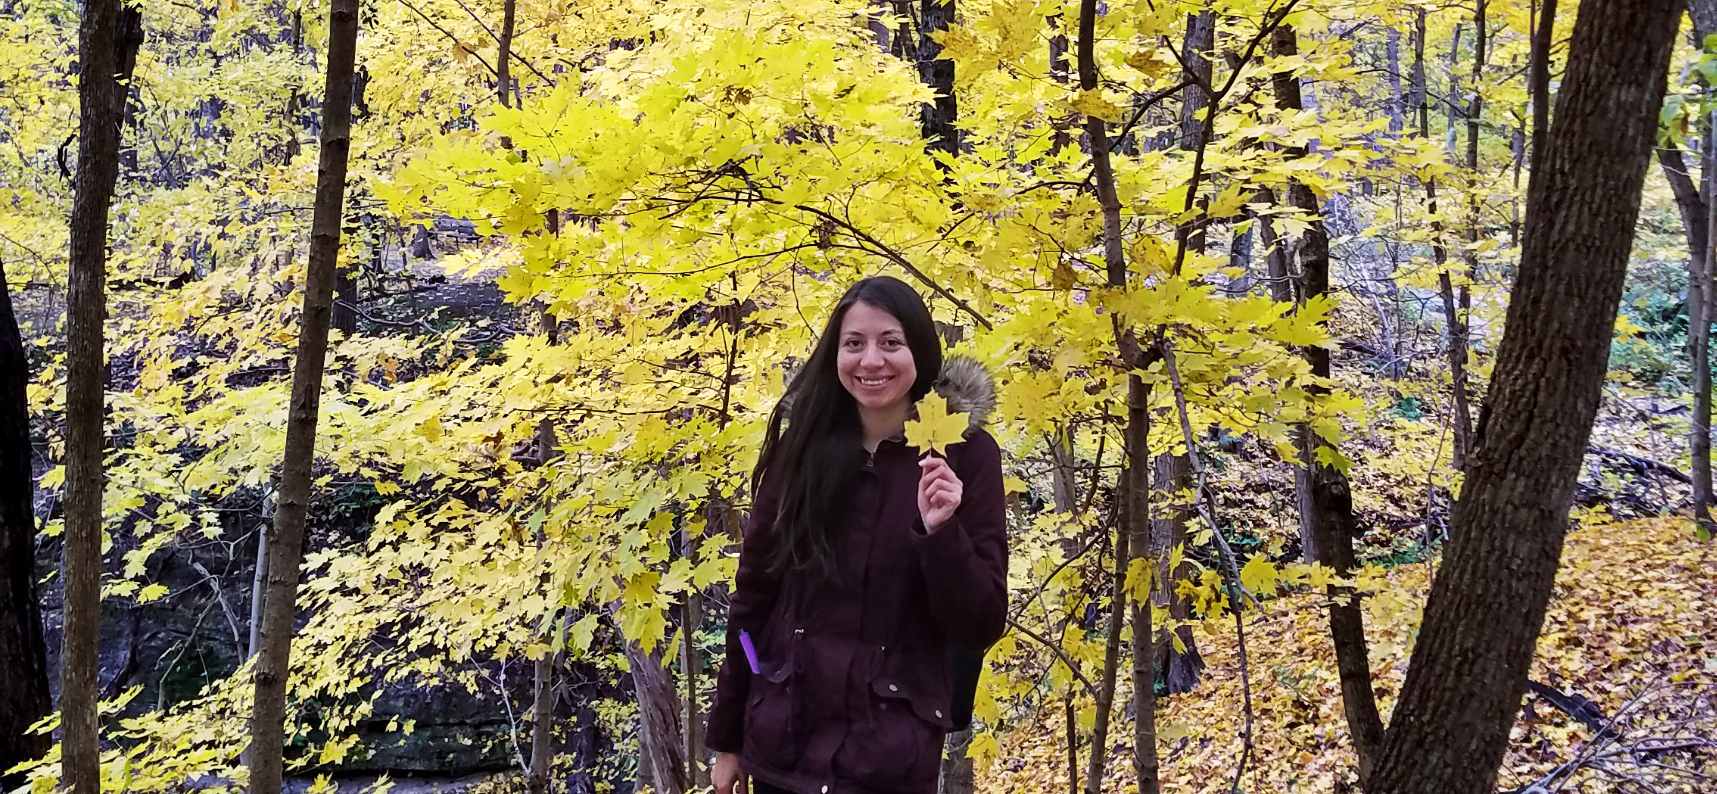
{"points": [[852, 694]]}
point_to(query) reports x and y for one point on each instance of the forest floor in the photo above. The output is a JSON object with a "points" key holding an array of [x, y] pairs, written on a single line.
{"points": [[1629, 647]]}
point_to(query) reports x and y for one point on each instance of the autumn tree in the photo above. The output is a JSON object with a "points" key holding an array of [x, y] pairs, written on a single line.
{"points": [[1451, 725], [108, 37], [286, 537]]}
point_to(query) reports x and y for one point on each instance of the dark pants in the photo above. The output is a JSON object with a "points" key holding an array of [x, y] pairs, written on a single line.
{"points": [[760, 787]]}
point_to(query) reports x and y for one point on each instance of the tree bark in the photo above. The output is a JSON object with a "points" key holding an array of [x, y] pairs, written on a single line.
{"points": [[24, 696], [1327, 502], [1468, 670], [108, 37], [1699, 301], [285, 557], [939, 117], [1456, 322], [1139, 528], [504, 52], [1115, 268], [659, 745]]}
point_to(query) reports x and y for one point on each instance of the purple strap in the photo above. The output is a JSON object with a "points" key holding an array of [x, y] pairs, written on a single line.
{"points": [[750, 650]]}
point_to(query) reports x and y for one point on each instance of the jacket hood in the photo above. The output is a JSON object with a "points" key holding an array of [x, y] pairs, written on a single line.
{"points": [[965, 383], [969, 388]]}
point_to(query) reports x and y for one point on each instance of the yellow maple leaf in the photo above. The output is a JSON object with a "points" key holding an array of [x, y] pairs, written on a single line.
{"points": [[935, 428]]}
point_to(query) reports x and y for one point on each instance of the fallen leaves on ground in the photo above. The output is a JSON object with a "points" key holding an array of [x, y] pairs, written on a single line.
{"points": [[1632, 627]]}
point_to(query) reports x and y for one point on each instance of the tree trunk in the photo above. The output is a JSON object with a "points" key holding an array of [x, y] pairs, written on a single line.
{"points": [[24, 696], [935, 16], [268, 721], [108, 37], [1328, 502], [1139, 527], [504, 53], [1538, 78], [659, 745], [1468, 670], [1180, 667], [1452, 317], [958, 776], [1115, 268], [1699, 301]]}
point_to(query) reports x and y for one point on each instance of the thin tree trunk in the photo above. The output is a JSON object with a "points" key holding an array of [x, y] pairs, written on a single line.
{"points": [[1173, 472], [1137, 492], [503, 56], [259, 579], [1462, 419], [1397, 108], [1454, 301], [1699, 301], [268, 721], [1468, 670], [1115, 267], [1327, 502], [939, 117], [108, 37], [1538, 78], [24, 696]]}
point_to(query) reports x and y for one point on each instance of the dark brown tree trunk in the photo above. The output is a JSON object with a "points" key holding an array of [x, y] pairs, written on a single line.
{"points": [[344, 314], [108, 37], [503, 56], [658, 722], [1173, 473], [1328, 502], [936, 16], [1538, 78], [1699, 301], [1115, 267], [1137, 491], [1452, 317], [286, 552], [1468, 671], [24, 696]]}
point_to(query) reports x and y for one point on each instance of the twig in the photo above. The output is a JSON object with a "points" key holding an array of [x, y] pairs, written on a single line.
{"points": [[511, 53], [1059, 653], [448, 34]]}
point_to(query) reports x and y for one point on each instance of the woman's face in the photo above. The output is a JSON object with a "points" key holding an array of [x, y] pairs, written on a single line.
{"points": [[875, 363]]}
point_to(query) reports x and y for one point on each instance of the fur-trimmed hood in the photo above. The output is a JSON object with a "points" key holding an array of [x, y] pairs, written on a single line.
{"points": [[969, 388], [965, 383]]}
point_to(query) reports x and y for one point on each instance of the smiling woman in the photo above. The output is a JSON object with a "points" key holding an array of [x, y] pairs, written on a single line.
{"points": [[866, 565]]}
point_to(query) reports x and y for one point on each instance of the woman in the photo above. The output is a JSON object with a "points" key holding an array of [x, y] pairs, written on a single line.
{"points": [[865, 565]]}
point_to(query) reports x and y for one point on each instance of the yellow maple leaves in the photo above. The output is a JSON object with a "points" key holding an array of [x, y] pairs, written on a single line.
{"points": [[935, 428]]}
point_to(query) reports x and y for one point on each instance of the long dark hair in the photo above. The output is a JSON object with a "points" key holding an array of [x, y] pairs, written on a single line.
{"points": [[822, 443]]}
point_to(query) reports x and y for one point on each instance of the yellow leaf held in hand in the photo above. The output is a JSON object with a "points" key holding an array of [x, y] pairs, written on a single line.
{"points": [[935, 428]]}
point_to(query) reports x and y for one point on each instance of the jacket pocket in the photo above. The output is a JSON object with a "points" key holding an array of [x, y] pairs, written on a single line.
{"points": [[898, 746], [773, 708]]}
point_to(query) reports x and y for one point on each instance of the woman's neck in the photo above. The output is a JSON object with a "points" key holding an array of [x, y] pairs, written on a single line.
{"points": [[883, 423]]}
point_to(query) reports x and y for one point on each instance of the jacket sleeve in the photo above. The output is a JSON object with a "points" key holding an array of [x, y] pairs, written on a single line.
{"points": [[965, 563], [755, 589]]}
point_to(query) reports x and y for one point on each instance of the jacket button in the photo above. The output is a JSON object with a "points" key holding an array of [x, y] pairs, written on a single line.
{"points": [[885, 707], [893, 688], [938, 714], [825, 790]]}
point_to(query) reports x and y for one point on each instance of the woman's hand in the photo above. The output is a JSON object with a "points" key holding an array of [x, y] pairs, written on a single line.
{"points": [[727, 776], [939, 493]]}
